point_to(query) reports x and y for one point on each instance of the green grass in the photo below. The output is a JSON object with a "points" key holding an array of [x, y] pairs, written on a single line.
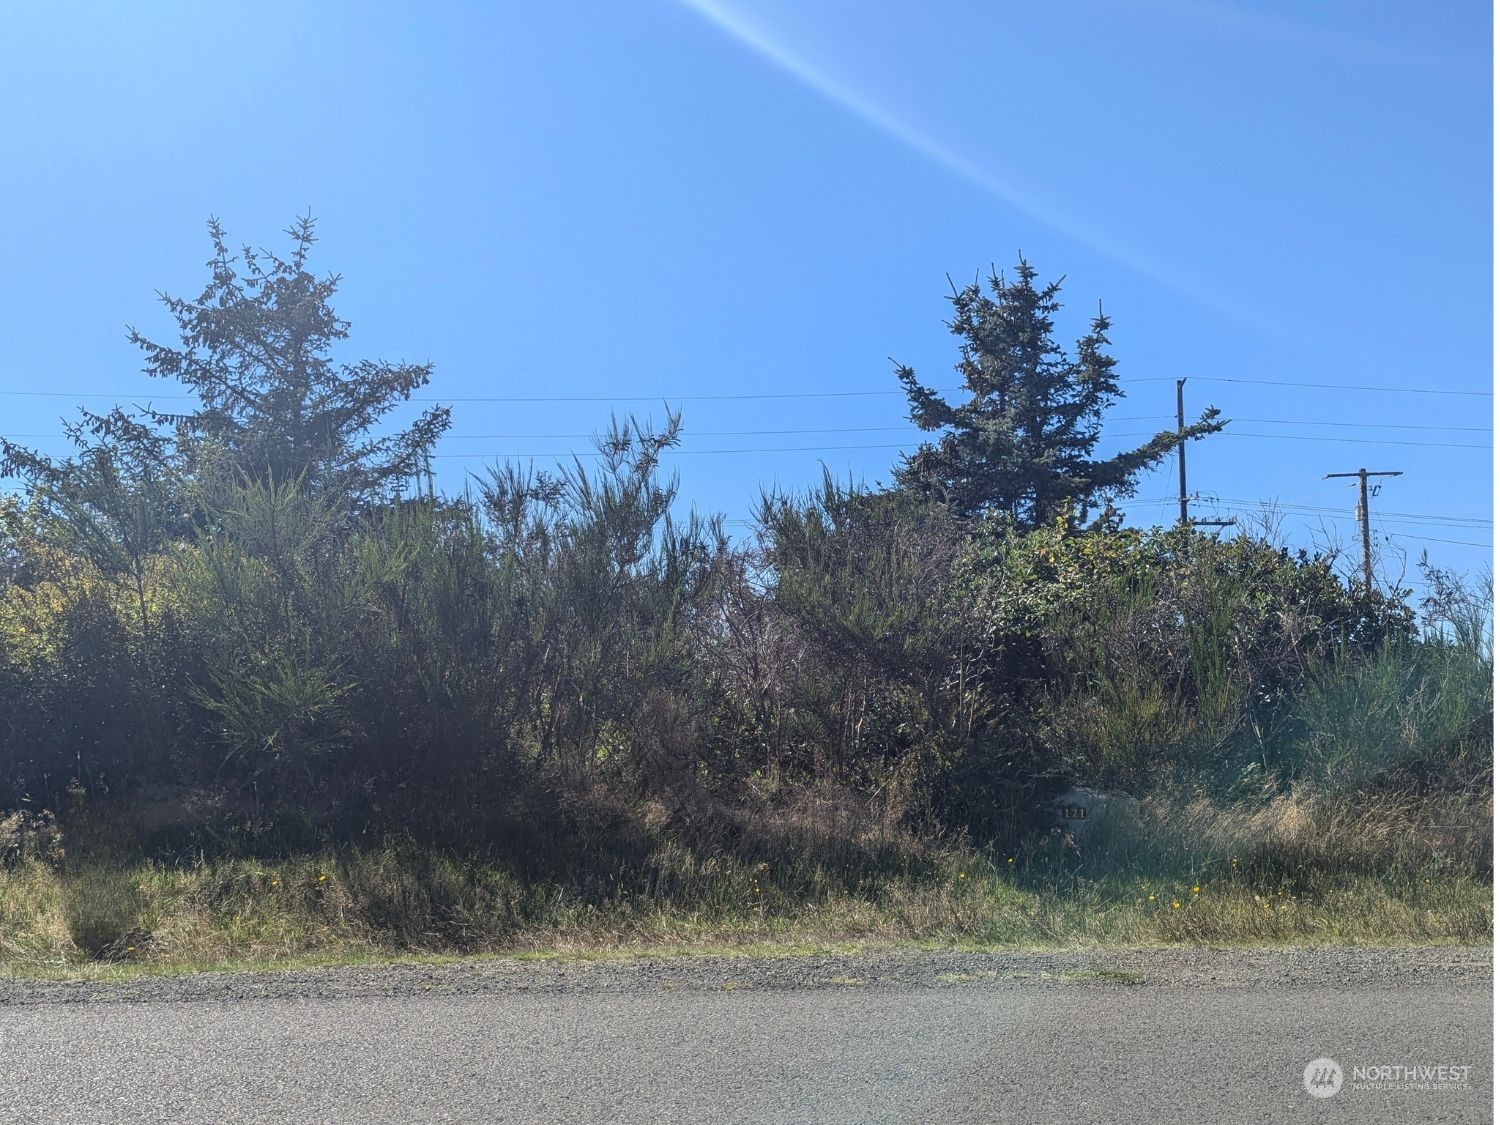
{"points": [[356, 907], [1299, 870]]}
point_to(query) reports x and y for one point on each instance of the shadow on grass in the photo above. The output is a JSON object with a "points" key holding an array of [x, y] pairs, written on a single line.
{"points": [[472, 876]]}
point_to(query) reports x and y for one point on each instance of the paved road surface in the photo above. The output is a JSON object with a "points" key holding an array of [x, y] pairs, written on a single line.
{"points": [[1189, 1036]]}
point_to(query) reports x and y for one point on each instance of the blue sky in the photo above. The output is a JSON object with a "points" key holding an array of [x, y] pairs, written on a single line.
{"points": [[620, 203]]}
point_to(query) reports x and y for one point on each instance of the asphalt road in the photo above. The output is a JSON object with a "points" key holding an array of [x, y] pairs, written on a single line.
{"points": [[1161, 1036]]}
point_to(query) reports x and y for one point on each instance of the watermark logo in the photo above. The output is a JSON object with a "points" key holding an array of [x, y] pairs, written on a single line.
{"points": [[1323, 1078]]}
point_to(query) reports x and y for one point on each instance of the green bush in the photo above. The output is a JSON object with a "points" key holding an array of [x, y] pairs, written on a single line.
{"points": [[1144, 651]]}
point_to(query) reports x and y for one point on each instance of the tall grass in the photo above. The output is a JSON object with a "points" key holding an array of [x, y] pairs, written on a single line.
{"points": [[1424, 710], [1301, 867]]}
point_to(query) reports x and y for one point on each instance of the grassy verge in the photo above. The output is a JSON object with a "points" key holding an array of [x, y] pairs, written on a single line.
{"points": [[1289, 871]]}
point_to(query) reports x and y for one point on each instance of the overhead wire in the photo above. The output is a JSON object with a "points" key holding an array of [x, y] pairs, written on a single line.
{"points": [[1418, 519], [816, 394], [1310, 386], [688, 432]]}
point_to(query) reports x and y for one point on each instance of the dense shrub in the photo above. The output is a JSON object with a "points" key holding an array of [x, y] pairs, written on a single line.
{"points": [[564, 630], [245, 598], [1144, 650]]}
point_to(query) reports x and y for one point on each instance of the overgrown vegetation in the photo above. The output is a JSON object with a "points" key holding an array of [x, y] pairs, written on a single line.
{"points": [[268, 696]]}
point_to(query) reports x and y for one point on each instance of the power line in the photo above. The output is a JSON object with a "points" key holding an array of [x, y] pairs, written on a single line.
{"points": [[665, 398], [1166, 500], [1315, 386], [1430, 520], [1348, 440], [707, 433], [1425, 516], [1431, 539], [1315, 508], [1362, 425], [804, 394], [1312, 437], [532, 398], [821, 448], [1457, 525], [677, 452], [1251, 507], [910, 429]]}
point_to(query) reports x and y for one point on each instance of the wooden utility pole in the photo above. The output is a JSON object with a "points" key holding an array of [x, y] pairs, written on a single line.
{"points": [[1182, 492], [1362, 513], [1182, 512]]}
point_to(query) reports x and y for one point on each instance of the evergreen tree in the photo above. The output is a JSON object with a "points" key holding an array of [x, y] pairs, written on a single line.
{"points": [[275, 407], [1023, 443]]}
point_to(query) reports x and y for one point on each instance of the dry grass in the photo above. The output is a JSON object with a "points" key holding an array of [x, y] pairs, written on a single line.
{"points": [[1303, 830], [1299, 868]]}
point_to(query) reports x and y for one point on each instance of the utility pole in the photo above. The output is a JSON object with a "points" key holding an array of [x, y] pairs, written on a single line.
{"points": [[1182, 498], [426, 471], [1362, 513], [1182, 492]]}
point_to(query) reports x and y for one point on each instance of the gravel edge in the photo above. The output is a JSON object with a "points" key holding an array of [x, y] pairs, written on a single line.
{"points": [[1281, 968]]}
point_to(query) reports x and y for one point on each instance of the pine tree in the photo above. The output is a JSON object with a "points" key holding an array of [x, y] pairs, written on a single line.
{"points": [[255, 350], [273, 411], [1023, 443]]}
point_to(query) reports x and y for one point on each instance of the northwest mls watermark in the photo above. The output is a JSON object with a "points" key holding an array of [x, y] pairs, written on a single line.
{"points": [[1324, 1078]]}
